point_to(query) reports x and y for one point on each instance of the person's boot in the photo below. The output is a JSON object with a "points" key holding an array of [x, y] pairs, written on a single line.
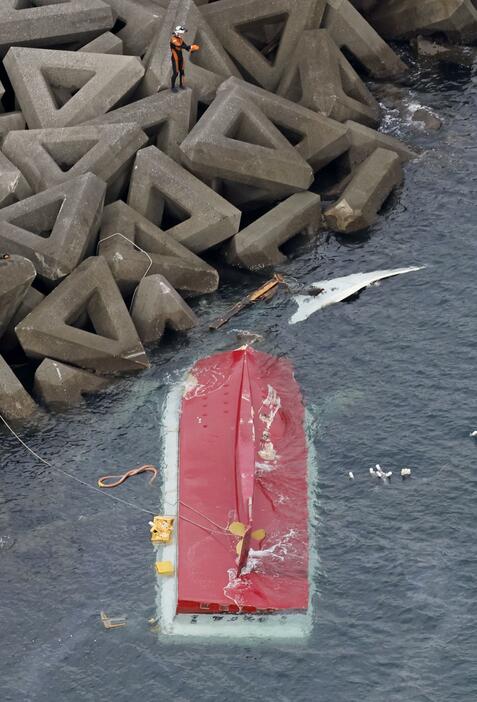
{"points": [[173, 85]]}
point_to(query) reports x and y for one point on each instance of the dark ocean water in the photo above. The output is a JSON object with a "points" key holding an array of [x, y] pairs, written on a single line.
{"points": [[389, 377]]}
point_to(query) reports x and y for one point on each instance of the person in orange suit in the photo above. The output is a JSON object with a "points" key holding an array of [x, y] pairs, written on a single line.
{"points": [[178, 44]]}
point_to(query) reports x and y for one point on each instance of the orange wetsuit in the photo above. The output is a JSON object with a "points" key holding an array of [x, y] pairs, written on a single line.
{"points": [[177, 45]]}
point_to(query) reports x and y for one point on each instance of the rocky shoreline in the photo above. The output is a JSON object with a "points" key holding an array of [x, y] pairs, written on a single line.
{"points": [[113, 188]]}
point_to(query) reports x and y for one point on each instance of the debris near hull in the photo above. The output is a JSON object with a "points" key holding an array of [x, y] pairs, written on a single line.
{"points": [[339, 289], [262, 293]]}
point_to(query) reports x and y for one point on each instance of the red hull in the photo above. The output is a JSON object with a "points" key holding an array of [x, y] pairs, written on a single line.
{"points": [[231, 469]]}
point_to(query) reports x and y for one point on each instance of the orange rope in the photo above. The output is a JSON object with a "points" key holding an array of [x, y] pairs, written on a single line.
{"points": [[152, 469], [147, 468]]}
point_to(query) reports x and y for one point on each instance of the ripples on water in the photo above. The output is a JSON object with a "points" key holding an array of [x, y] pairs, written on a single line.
{"points": [[390, 378]]}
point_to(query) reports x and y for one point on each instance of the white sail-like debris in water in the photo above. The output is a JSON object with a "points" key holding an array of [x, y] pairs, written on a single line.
{"points": [[339, 289]]}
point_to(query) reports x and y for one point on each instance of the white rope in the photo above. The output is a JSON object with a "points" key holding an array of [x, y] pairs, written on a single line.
{"points": [[82, 482], [135, 246], [74, 477], [108, 494], [50, 465]]}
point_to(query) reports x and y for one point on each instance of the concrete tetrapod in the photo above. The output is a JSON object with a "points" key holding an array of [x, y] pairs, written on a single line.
{"points": [[157, 305], [47, 23], [361, 201], [10, 121], [260, 36], [258, 245], [166, 118], [318, 139], [59, 385], [89, 297], [444, 51], [363, 141], [141, 23], [64, 88], [56, 228], [182, 268], [173, 199], [9, 339], [13, 186], [349, 29], [16, 276], [15, 403], [48, 157], [317, 12], [235, 141], [319, 77], [205, 69], [106, 43], [401, 19]]}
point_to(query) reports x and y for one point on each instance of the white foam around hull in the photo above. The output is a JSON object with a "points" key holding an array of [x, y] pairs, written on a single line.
{"points": [[290, 626]]}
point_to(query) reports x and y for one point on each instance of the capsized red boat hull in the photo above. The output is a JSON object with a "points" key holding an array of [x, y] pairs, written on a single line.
{"points": [[242, 460], [232, 400]]}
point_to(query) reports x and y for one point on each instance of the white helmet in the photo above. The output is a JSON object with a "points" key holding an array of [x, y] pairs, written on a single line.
{"points": [[180, 29]]}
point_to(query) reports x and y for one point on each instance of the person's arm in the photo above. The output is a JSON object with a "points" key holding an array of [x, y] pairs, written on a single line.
{"points": [[191, 48]]}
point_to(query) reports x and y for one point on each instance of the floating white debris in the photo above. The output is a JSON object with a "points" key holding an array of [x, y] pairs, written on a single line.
{"points": [[339, 289], [378, 472], [405, 473], [473, 434], [351, 475]]}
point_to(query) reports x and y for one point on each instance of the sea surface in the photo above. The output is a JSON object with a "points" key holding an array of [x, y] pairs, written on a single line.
{"points": [[389, 377]]}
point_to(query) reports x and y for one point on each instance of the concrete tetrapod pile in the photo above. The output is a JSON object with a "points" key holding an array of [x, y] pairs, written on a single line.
{"points": [[113, 187]]}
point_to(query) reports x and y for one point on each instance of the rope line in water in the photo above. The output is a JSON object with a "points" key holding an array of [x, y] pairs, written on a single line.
{"points": [[201, 526], [223, 529], [113, 497], [70, 475]]}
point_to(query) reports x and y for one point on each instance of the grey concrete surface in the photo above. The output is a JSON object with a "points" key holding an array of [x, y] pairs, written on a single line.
{"points": [[204, 69], [89, 294], [56, 228], [48, 157], [63, 88], [16, 276], [166, 118], [186, 272], [173, 199], [318, 76], [49, 23], [372, 183], [236, 141], [157, 305], [258, 245], [249, 29], [59, 385]]}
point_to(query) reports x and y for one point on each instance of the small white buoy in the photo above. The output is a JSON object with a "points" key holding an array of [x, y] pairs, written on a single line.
{"points": [[405, 473], [350, 475], [473, 434]]}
